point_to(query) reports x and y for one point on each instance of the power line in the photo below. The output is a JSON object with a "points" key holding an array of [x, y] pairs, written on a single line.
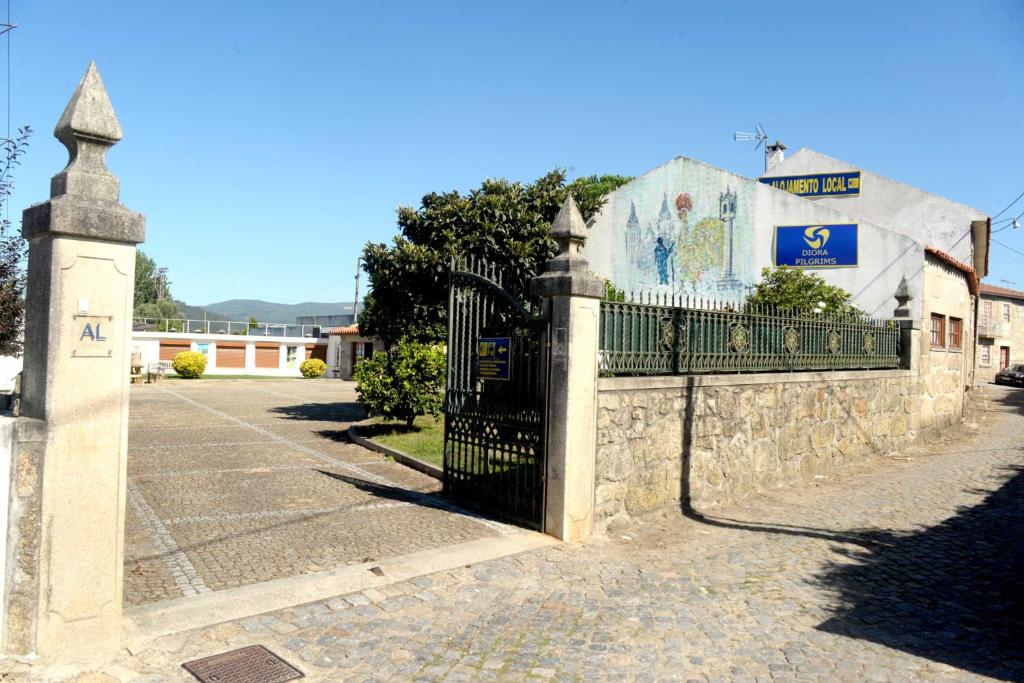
{"points": [[1008, 225], [1009, 205], [1009, 247], [1009, 220]]}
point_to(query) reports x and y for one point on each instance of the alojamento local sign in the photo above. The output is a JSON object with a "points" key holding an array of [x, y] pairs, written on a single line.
{"points": [[818, 184]]}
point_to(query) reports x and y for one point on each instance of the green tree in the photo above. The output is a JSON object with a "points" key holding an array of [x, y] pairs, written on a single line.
{"points": [[148, 290], [145, 280], [405, 381], [792, 288], [253, 322], [12, 251], [596, 187], [504, 222]]}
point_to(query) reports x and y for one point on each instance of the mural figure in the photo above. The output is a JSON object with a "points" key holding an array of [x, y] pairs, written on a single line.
{"points": [[696, 240], [727, 214], [661, 254]]}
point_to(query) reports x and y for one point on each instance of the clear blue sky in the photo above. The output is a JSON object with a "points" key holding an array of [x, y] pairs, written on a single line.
{"points": [[268, 141]]}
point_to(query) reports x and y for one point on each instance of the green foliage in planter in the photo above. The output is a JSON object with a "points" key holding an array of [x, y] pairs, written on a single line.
{"points": [[405, 381], [312, 368], [189, 364]]}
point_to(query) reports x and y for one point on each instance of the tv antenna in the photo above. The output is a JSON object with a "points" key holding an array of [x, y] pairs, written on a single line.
{"points": [[1009, 282], [760, 135]]}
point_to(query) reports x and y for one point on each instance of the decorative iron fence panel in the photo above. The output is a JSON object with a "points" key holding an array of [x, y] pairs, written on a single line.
{"points": [[708, 337], [495, 438]]}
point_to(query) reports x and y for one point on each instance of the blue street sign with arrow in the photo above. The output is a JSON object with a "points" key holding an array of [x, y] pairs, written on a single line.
{"points": [[494, 356]]}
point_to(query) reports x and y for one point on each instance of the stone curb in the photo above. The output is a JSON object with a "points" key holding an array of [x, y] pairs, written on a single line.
{"points": [[407, 460]]}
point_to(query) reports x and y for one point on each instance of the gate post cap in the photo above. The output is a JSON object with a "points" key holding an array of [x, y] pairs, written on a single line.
{"points": [[89, 113], [84, 195], [88, 127], [568, 273], [903, 297], [568, 227]]}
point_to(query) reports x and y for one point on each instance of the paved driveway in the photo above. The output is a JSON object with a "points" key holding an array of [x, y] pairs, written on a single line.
{"points": [[233, 482], [907, 570]]}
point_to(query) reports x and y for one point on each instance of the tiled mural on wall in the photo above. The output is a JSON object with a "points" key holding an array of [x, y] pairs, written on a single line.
{"points": [[684, 228]]}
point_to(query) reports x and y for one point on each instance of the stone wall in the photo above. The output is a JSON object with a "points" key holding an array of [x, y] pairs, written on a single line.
{"points": [[718, 438], [722, 437], [995, 332], [945, 371], [22, 550]]}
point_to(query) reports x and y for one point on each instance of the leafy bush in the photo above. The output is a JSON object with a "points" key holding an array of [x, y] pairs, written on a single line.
{"points": [[406, 381], [792, 288], [189, 364], [314, 367]]}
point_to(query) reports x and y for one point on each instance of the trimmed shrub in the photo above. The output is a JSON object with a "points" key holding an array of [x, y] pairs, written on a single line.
{"points": [[314, 367], [189, 364], [406, 381]]}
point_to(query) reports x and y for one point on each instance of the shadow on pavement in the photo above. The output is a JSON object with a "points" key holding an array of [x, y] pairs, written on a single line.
{"points": [[1006, 399], [951, 593], [343, 412], [437, 500]]}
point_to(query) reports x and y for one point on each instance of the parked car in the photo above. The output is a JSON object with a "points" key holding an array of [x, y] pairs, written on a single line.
{"points": [[1012, 374]]}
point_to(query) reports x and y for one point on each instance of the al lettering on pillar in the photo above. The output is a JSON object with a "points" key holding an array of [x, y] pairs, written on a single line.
{"points": [[92, 334]]}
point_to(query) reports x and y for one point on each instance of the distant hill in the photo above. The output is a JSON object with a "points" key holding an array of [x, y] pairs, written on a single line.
{"points": [[196, 312], [264, 311]]}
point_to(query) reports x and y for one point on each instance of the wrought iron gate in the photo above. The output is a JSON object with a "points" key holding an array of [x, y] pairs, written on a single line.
{"points": [[495, 399]]}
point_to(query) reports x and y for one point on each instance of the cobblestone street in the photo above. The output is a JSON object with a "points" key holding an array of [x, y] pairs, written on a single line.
{"points": [[908, 569], [232, 482]]}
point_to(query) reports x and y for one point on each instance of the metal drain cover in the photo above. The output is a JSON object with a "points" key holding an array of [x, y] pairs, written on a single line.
{"points": [[253, 664]]}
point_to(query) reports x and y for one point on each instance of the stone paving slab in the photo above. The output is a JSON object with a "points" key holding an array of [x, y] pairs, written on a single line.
{"points": [[238, 482], [906, 569]]}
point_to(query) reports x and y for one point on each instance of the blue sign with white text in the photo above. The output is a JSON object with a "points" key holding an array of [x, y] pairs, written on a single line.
{"points": [[816, 246], [818, 184], [494, 357]]}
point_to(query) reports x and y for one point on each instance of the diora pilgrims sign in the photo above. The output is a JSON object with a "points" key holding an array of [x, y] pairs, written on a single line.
{"points": [[816, 246]]}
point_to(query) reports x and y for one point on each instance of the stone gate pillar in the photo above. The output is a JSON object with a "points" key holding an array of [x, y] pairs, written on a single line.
{"points": [[67, 528], [573, 296]]}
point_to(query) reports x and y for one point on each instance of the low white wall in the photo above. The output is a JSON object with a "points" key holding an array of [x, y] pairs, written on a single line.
{"points": [[9, 369], [148, 344]]}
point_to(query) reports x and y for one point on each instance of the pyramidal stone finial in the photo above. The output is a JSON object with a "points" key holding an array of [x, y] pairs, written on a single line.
{"points": [[84, 195], [568, 273], [89, 112], [88, 127], [903, 297], [568, 227]]}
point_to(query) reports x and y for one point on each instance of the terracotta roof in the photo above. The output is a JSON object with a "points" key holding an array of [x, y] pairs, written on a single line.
{"points": [[972, 275], [1001, 291], [348, 329]]}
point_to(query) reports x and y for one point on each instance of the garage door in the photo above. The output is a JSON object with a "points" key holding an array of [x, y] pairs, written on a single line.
{"points": [[230, 355], [171, 348], [268, 355]]}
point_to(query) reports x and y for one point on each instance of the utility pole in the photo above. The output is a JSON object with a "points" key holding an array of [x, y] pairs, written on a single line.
{"points": [[161, 283], [355, 302]]}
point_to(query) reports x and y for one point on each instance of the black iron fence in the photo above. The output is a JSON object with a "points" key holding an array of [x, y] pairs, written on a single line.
{"points": [[665, 335]]}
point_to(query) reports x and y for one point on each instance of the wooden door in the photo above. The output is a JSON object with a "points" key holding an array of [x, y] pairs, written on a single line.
{"points": [[230, 355], [169, 348], [1004, 357], [268, 355]]}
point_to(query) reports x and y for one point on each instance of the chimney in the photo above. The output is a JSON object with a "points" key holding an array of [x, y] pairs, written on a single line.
{"points": [[773, 155]]}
